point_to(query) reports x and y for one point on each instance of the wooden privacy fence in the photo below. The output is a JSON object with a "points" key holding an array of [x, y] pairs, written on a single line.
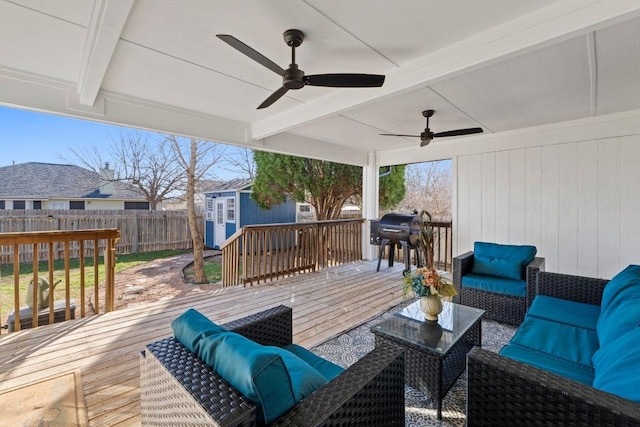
{"points": [[61, 294], [442, 247], [141, 231], [258, 253]]}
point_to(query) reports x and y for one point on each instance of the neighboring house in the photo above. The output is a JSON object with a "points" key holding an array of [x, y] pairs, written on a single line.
{"points": [[229, 206], [53, 186], [180, 202]]}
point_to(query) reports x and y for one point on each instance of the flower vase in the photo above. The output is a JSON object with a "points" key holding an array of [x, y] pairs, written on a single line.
{"points": [[431, 306]]}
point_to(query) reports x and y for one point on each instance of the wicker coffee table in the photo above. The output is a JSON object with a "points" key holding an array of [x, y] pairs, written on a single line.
{"points": [[435, 352]]}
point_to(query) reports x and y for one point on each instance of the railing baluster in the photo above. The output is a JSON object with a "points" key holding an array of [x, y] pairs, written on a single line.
{"points": [[96, 283], [16, 286], [82, 279], [67, 282], [34, 288], [51, 267]]}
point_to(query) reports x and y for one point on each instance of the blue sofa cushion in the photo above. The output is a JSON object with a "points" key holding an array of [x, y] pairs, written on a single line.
{"points": [[499, 285], [624, 284], [191, 327], [617, 366], [621, 316], [328, 370], [507, 261], [571, 313], [564, 368], [271, 377], [570, 343]]}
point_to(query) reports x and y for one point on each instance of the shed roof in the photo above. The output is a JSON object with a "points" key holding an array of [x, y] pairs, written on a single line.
{"points": [[233, 185], [48, 180]]}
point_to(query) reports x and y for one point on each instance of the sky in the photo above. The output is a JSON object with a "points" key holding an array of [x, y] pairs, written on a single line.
{"points": [[28, 136]]}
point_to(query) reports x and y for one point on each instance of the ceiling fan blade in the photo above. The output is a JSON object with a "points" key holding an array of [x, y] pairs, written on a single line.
{"points": [[345, 80], [458, 132], [251, 53], [273, 97], [396, 134]]}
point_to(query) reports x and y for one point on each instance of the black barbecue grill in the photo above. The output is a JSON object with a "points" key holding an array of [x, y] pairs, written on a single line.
{"points": [[396, 229]]}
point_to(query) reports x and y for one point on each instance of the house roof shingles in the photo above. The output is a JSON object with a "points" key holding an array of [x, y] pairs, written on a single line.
{"points": [[47, 180]]}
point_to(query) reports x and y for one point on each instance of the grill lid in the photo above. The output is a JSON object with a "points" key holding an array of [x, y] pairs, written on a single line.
{"points": [[400, 228]]}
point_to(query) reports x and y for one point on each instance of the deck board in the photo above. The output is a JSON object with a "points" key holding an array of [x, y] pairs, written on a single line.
{"points": [[105, 348]]}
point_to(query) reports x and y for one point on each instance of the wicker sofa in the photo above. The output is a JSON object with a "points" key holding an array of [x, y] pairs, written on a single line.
{"points": [[177, 388], [508, 389], [502, 306]]}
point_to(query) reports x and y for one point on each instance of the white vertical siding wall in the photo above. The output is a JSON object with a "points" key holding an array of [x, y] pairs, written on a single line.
{"points": [[577, 202]]}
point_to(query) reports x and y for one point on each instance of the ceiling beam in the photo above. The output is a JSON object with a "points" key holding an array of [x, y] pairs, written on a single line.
{"points": [[294, 145], [107, 21], [557, 22]]}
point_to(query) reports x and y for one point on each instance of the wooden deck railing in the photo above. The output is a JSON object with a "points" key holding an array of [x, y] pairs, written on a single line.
{"points": [[258, 253], [45, 246], [442, 250]]}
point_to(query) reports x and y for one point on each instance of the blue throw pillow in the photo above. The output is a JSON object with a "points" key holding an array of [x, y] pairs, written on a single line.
{"points": [[326, 368], [622, 285], [617, 366], [272, 378], [508, 261], [191, 327], [621, 316]]}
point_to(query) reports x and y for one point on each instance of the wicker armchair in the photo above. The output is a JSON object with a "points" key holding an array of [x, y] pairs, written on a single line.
{"points": [[502, 391], [177, 388], [502, 308]]}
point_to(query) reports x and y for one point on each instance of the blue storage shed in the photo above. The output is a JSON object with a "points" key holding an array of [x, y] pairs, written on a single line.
{"points": [[229, 206]]}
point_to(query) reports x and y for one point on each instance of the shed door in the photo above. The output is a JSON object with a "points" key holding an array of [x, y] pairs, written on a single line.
{"points": [[220, 227]]}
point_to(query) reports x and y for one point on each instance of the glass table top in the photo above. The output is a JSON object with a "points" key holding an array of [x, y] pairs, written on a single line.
{"points": [[409, 325]]}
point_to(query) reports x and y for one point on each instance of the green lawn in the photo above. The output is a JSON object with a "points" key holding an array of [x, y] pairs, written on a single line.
{"points": [[212, 268], [26, 273]]}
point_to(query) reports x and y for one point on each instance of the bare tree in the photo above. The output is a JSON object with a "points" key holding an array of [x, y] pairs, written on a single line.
{"points": [[429, 188], [148, 165], [240, 162], [195, 158]]}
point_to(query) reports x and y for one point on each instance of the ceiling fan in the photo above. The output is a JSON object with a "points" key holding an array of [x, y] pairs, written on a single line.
{"points": [[427, 135], [293, 77]]}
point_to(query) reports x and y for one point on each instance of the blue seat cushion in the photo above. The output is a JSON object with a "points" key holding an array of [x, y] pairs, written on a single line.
{"points": [[622, 285], [573, 313], [566, 342], [499, 285], [271, 377], [328, 369], [564, 368], [507, 261], [191, 327], [617, 366]]}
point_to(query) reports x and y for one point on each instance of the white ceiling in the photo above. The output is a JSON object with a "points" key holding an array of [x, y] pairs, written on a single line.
{"points": [[156, 64]]}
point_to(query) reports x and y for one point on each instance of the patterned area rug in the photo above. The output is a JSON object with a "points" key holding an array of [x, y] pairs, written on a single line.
{"points": [[54, 401], [347, 348]]}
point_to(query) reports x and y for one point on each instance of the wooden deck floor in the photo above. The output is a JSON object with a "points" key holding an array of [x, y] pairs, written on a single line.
{"points": [[106, 348]]}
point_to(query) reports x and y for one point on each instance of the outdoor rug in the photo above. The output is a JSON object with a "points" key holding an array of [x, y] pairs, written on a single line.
{"points": [[54, 401], [347, 348]]}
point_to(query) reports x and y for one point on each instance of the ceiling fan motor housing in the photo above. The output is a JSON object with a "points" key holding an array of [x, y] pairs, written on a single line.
{"points": [[426, 136], [293, 78]]}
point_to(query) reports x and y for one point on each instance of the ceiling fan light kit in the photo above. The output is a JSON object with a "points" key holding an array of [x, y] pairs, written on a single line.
{"points": [[293, 77], [427, 135]]}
